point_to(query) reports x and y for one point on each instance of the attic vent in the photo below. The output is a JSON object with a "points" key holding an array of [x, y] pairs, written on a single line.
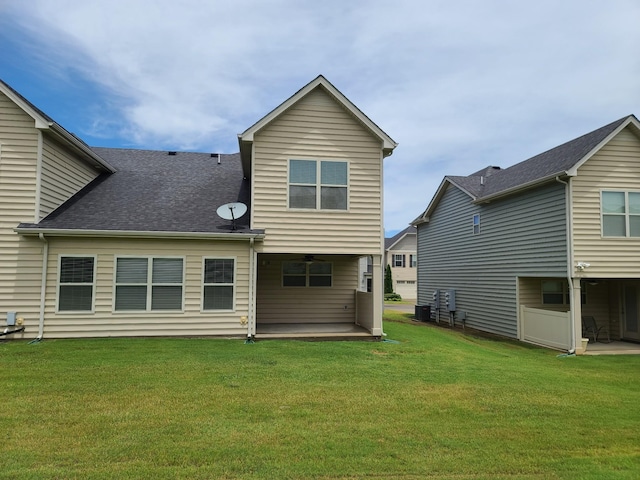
{"points": [[216, 155], [172, 153]]}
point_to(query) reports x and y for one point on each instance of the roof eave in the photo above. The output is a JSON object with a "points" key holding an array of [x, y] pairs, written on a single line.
{"points": [[43, 122], [424, 218], [388, 144], [631, 120], [62, 232], [522, 187], [81, 148]]}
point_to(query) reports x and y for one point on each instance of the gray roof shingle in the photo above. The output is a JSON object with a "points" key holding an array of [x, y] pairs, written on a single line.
{"points": [[152, 191], [492, 181]]}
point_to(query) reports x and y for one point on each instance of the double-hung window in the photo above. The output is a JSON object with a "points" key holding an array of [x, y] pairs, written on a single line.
{"points": [[413, 261], [318, 184], [303, 274], [219, 278], [76, 284], [620, 214], [398, 260], [144, 283]]}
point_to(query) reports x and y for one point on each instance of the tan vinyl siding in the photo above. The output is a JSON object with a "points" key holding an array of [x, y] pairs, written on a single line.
{"points": [[318, 128], [63, 175], [104, 322], [20, 258], [278, 304], [616, 166]]}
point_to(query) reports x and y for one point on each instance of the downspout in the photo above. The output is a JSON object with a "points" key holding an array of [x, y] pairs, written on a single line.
{"points": [[251, 327], [43, 285], [569, 241]]}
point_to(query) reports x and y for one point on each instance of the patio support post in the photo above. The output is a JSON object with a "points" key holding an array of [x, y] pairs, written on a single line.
{"points": [[576, 315], [378, 295]]}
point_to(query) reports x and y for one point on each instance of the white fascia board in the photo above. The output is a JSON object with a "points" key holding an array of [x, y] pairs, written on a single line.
{"points": [[424, 217], [388, 144], [43, 123], [631, 120], [59, 232]]}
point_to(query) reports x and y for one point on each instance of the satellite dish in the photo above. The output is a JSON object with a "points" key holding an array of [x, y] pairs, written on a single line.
{"points": [[231, 211]]}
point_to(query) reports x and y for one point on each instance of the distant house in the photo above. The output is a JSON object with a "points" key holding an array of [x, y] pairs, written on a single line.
{"points": [[527, 251], [98, 242], [400, 252]]}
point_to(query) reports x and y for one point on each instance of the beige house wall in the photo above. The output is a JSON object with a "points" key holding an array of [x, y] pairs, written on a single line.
{"points": [[404, 278], [616, 166], [62, 175], [278, 304], [20, 258], [317, 128], [105, 322]]}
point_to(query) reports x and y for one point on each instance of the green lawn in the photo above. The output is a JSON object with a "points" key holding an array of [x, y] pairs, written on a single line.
{"points": [[430, 403]]}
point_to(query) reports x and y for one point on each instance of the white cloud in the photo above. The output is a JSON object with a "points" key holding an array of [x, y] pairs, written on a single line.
{"points": [[460, 84]]}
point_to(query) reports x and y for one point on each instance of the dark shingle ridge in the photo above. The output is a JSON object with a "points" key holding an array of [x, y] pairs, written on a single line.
{"points": [[492, 181], [152, 191]]}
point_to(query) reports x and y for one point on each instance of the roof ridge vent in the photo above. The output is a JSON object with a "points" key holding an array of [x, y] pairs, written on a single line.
{"points": [[172, 153]]}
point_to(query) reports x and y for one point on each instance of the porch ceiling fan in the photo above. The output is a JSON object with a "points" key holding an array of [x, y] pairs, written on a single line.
{"points": [[311, 259]]}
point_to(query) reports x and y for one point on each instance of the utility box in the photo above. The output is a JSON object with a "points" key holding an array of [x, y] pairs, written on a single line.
{"points": [[450, 297], [11, 319], [423, 313]]}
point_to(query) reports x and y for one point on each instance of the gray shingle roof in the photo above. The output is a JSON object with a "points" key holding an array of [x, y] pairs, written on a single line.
{"points": [[152, 191], [490, 181], [388, 242]]}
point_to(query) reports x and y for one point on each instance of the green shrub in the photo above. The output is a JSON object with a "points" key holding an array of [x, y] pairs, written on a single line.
{"points": [[392, 297]]}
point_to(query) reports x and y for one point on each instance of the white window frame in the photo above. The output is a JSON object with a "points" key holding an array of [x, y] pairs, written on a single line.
{"points": [[413, 260], [318, 185], [626, 214], [476, 223], [60, 284], [307, 276], [232, 284], [399, 260], [149, 284]]}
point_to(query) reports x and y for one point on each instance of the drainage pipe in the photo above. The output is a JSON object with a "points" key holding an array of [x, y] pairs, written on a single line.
{"points": [[569, 241], [43, 285], [7, 332]]}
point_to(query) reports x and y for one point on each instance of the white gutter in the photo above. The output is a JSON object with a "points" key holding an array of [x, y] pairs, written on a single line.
{"points": [[568, 192], [43, 285], [61, 232]]}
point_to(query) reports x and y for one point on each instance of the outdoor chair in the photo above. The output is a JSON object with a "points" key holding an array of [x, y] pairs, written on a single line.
{"points": [[591, 329]]}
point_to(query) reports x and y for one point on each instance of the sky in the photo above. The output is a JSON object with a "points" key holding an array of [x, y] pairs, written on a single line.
{"points": [[459, 84]]}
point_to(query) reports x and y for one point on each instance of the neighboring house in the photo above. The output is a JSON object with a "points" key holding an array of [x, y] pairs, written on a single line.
{"points": [[525, 252], [98, 242], [400, 253]]}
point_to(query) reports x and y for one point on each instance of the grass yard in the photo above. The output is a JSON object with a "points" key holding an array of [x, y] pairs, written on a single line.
{"points": [[431, 403]]}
